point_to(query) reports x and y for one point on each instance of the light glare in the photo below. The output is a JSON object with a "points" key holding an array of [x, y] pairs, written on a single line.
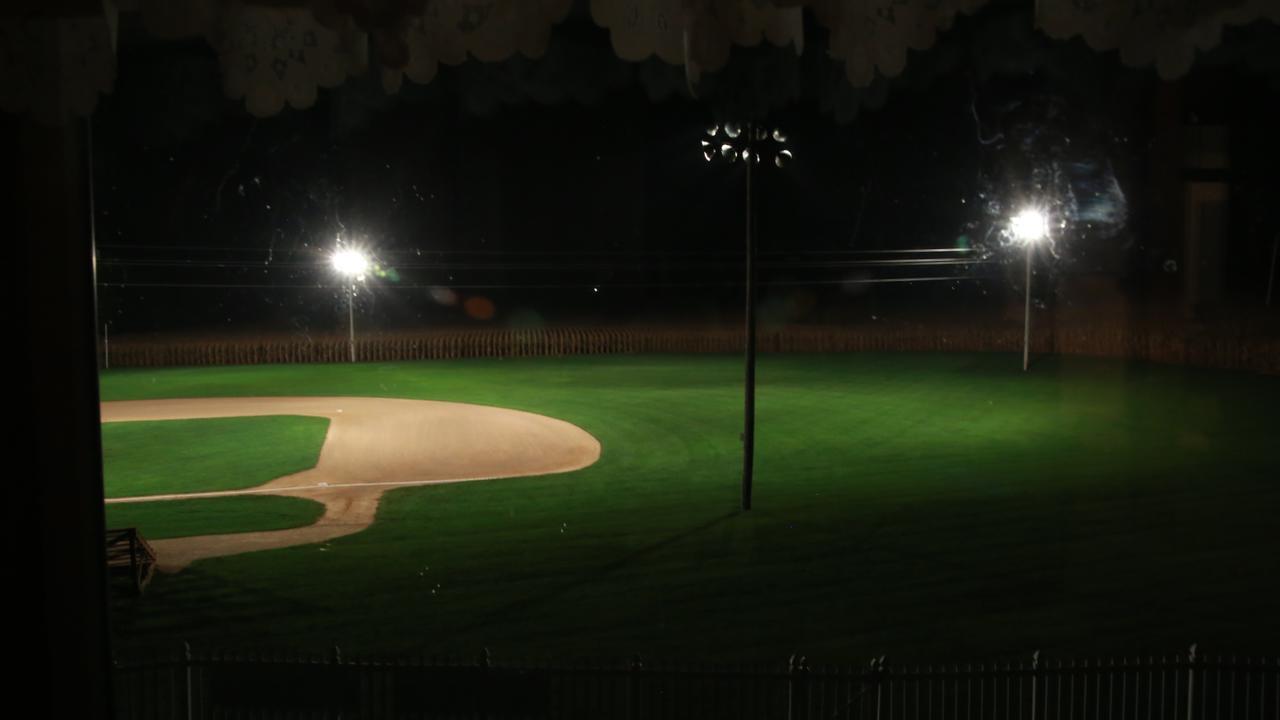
{"points": [[1029, 226], [352, 263]]}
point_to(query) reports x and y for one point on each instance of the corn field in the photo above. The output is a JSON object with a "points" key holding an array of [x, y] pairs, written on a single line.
{"points": [[1167, 345]]}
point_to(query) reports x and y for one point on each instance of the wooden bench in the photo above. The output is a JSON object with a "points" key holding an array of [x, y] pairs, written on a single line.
{"points": [[128, 552]]}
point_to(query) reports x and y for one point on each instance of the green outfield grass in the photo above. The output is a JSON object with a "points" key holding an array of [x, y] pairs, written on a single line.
{"points": [[214, 516], [939, 506], [184, 456]]}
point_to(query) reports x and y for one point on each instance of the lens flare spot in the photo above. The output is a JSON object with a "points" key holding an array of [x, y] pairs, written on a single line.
{"points": [[444, 296], [479, 308]]}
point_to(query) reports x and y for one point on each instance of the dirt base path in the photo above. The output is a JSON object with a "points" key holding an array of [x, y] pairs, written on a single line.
{"points": [[373, 445]]}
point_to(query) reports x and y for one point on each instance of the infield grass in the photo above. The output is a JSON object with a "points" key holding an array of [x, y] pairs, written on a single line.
{"points": [[214, 516], [925, 506], [202, 455], [209, 454]]}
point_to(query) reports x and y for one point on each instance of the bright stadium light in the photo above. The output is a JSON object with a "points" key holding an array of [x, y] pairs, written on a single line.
{"points": [[1029, 227], [351, 264]]}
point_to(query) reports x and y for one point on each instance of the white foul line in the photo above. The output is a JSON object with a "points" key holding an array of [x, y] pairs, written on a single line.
{"points": [[292, 488]]}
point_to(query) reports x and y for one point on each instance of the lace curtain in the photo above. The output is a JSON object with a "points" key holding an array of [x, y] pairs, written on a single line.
{"points": [[1166, 34], [697, 34], [52, 68], [449, 31], [275, 54]]}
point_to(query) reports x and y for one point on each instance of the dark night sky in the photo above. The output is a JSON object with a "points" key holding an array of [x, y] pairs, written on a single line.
{"points": [[533, 183]]}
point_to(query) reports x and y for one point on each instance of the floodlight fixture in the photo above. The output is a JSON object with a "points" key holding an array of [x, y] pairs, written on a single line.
{"points": [[350, 263], [1029, 226]]}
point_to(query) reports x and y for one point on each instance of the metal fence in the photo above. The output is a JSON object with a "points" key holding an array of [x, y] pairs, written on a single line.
{"points": [[229, 686]]}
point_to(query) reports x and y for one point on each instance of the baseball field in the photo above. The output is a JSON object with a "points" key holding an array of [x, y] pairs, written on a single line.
{"points": [[928, 506]]}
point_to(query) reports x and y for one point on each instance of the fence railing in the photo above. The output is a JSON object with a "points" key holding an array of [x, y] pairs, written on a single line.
{"points": [[217, 686], [1162, 344]]}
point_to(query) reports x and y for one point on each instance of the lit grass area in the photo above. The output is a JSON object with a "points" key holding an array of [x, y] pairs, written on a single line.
{"points": [[924, 506], [185, 456], [214, 516]]}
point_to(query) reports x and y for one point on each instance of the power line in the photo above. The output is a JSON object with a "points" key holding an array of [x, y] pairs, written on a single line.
{"points": [[811, 264], [552, 252], [534, 286]]}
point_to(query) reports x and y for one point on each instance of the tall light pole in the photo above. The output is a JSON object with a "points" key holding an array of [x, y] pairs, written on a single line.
{"points": [[352, 265], [1028, 227], [747, 143]]}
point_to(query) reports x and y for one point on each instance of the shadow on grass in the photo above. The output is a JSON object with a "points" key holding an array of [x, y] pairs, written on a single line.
{"points": [[598, 573], [192, 601], [586, 577]]}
